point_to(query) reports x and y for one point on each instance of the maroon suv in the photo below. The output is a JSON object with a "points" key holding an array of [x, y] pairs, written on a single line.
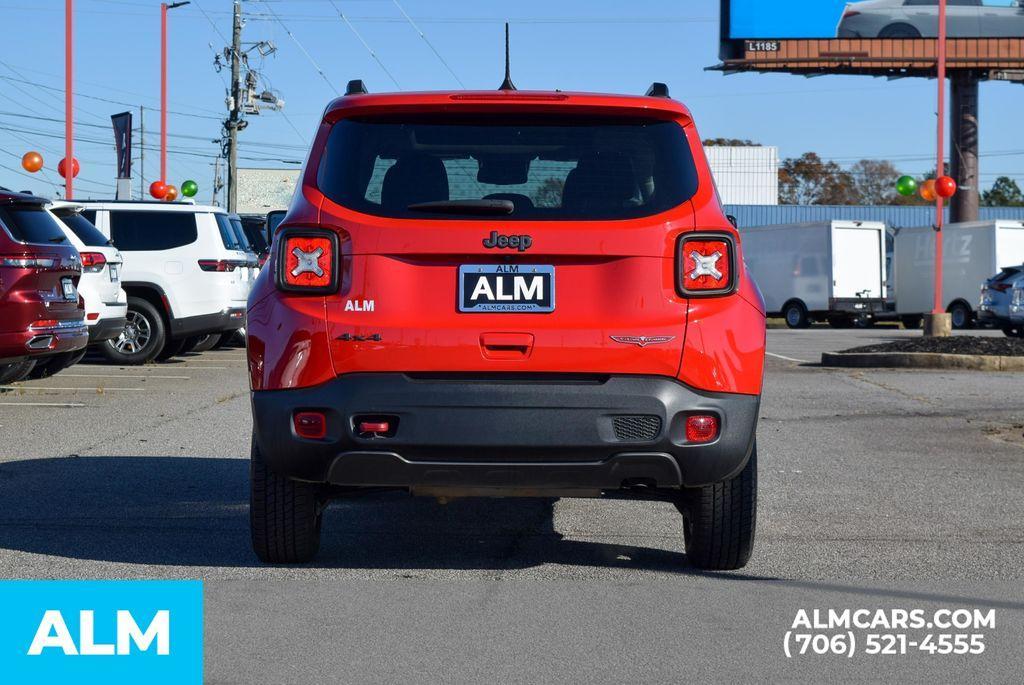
{"points": [[41, 313]]}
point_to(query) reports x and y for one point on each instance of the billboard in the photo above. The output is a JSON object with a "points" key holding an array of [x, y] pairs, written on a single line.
{"points": [[870, 19]]}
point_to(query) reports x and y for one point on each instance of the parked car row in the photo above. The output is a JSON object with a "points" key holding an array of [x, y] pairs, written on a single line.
{"points": [[138, 281], [857, 272]]}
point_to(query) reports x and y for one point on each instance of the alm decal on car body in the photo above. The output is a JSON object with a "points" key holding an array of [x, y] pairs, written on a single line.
{"points": [[359, 305]]}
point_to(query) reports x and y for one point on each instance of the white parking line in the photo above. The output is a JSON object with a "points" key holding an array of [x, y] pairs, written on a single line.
{"points": [[788, 359], [114, 375], [47, 387], [41, 404]]}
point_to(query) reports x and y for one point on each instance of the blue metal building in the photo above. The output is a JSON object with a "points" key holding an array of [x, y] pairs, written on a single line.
{"points": [[895, 216]]}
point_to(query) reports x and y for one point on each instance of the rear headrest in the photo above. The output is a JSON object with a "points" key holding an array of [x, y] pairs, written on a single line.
{"points": [[412, 179], [603, 180]]}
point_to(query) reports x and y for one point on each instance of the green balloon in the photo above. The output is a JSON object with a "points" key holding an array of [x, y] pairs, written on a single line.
{"points": [[190, 188], [906, 185]]}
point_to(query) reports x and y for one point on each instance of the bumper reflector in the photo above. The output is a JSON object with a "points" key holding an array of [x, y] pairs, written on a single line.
{"points": [[701, 428], [311, 425]]}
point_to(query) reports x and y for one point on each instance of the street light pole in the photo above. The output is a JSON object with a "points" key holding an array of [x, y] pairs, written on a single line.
{"points": [[69, 115], [163, 85]]}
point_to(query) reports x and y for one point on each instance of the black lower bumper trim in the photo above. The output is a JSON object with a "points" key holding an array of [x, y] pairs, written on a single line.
{"points": [[387, 469], [218, 322], [106, 329], [521, 432]]}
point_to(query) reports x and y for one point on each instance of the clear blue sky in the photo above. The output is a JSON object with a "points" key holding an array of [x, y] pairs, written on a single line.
{"points": [[570, 44]]}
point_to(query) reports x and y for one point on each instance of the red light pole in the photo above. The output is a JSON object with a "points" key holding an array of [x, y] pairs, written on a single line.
{"points": [[163, 85], [938, 323], [69, 140]]}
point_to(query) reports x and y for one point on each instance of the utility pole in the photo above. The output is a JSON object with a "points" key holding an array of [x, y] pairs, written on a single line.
{"points": [[235, 106], [963, 167], [142, 153]]}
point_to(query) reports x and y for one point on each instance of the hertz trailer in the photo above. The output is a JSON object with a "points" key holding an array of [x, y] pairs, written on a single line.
{"points": [[826, 270], [971, 253]]}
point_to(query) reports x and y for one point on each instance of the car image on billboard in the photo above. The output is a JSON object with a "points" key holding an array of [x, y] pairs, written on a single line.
{"points": [[886, 19]]}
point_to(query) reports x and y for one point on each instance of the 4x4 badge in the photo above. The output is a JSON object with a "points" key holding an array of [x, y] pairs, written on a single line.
{"points": [[642, 340]]}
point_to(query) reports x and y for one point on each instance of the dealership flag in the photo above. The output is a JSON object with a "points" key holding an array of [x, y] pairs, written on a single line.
{"points": [[123, 140]]}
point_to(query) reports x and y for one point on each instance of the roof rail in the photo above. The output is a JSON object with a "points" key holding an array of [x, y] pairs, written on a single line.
{"points": [[657, 90], [356, 87]]}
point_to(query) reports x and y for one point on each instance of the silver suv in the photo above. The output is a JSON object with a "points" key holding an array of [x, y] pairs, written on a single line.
{"points": [[1002, 301]]}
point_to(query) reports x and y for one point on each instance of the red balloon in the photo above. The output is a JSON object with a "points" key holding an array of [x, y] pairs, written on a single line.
{"points": [[945, 186], [75, 168], [158, 189], [32, 161]]}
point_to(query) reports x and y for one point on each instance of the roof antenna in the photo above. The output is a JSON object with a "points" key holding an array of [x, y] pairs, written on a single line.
{"points": [[507, 83]]}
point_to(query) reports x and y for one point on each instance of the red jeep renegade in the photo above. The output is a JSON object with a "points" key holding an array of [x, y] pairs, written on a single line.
{"points": [[503, 294]]}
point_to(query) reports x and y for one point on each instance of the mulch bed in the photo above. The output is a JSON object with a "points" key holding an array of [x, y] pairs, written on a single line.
{"points": [[958, 344]]}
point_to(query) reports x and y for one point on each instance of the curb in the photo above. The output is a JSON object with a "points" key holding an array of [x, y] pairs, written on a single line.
{"points": [[922, 360]]}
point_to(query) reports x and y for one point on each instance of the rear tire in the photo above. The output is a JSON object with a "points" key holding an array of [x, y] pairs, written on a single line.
{"points": [[173, 348], [284, 515], [206, 342], [899, 31], [719, 520], [223, 340], [17, 371], [961, 316], [912, 321], [56, 364], [142, 338], [795, 314]]}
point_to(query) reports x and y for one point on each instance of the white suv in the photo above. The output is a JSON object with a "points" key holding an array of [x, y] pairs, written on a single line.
{"points": [[106, 304], [183, 274]]}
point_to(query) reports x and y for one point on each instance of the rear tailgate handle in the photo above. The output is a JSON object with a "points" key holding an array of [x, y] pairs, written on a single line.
{"points": [[506, 346]]}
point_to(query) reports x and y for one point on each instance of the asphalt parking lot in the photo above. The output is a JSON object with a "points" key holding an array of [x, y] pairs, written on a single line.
{"points": [[877, 488]]}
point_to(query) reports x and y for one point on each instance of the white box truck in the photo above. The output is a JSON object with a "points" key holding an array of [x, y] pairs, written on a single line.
{"points": [[971, 253], [826, 270]]}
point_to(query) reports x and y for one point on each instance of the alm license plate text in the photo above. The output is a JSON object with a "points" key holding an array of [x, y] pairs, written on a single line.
{"points": [[506, 288]]}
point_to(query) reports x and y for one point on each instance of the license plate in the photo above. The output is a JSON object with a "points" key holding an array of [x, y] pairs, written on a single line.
{"points": [[506, 288], [113, 272], [70, 292]]}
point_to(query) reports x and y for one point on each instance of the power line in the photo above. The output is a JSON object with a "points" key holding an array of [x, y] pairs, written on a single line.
{"points": [[430, 45], [366, 45], [304, 51]]}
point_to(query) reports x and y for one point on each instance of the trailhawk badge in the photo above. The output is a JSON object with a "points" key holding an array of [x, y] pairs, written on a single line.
{"points": [[642, 340]]}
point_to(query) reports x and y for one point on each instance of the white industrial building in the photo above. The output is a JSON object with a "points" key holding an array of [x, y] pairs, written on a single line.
{"points": [[745, 175]]}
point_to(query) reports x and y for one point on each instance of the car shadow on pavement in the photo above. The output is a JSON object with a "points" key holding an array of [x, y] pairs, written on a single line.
{"points": [[193, 511]]}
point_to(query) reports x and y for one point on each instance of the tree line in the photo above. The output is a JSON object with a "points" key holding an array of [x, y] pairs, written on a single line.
{"points": [[811, 180]]}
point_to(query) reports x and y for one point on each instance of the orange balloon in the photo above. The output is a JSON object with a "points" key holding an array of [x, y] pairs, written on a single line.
{"points": [[928, 190], [172, 193], [32, 162]]}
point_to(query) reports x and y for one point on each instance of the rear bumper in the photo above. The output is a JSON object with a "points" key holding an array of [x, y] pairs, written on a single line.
{"points": [[507, 432], [227, 319], [69, 335], [106, 328]]}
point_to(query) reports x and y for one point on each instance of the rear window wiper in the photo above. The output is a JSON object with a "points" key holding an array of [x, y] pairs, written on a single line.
{"points": [[485, 207], [58, 239]]}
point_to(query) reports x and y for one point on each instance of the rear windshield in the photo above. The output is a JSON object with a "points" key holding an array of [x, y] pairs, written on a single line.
{"points": [[86, 232], [254, 231], [135, 230], [555, 168], [227, 232], [31, 224], [240, 235]]}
